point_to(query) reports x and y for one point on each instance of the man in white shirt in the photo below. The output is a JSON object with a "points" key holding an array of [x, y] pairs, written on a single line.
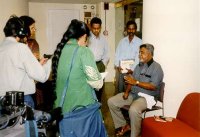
{"points": [[127, 50], [99, 46]]}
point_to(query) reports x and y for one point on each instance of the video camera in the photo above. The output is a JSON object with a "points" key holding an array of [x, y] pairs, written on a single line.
{"points": [[12, 108]]}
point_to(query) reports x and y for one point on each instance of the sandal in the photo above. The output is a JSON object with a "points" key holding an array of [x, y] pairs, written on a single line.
{"points": [[124, 130]]}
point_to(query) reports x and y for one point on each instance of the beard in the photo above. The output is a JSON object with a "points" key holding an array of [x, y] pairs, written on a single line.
{"points": [[130, 33], [141, 60]]}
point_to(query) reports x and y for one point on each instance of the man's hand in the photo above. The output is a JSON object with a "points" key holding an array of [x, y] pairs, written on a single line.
{"points": [[145, 85], [119, 69], [129, 71], [130, 80], [43, 61], [125, 96], [127, 91]]}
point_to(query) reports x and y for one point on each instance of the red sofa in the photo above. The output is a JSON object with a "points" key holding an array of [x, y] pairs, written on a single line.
{"points": [[186, 123]]}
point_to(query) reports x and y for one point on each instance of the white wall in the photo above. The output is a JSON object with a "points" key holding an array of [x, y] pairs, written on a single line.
{"points": [[110, 27], [10, 7], [119, 25], [173, 28], [198, 41], [39, 11]]}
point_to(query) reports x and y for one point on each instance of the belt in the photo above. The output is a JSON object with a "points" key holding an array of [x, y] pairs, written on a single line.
{"points": [[99, 61]]}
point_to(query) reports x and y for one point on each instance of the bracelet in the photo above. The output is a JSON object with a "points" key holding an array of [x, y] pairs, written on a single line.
{"points": [[137, 83]]}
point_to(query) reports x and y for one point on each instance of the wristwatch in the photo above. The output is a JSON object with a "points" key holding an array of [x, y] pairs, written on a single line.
{"points": [[137, 83]]}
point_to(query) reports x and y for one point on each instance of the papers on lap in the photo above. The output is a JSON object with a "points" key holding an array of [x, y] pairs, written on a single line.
{"points": [[126, 64]]}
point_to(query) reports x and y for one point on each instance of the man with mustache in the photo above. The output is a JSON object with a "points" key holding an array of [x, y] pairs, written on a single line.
{"points": [[142, 91], [100, 49], [127, 50]]}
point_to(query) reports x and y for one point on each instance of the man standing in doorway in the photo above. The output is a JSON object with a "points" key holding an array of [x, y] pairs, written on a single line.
{"points": [[127, 50], [99, 47]]}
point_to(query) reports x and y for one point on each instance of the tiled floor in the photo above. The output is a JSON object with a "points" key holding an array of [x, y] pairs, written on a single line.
{"points": [[109, 91]]}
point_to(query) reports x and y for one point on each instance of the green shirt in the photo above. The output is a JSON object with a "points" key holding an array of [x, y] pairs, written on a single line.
{"points": [[84, 69]]}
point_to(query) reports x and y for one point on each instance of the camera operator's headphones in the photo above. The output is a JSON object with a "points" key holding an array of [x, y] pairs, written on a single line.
{"points": [[15, 27]]}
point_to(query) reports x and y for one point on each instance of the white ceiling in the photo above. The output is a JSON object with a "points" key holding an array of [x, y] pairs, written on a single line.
{"points": [[75, 1]]}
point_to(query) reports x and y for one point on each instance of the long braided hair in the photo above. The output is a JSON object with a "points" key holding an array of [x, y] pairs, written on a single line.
{"points": [[75, 30]]}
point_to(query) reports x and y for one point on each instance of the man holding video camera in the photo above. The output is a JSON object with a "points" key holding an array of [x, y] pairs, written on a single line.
{"points": [[19, 67]]}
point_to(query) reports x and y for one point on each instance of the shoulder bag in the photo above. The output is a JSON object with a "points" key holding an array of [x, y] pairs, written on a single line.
{"points": [[81, 121]]}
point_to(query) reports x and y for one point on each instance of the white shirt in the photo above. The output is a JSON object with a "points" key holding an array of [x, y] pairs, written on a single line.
{"points": [[128, 51], [19, 68], [99, 48]]}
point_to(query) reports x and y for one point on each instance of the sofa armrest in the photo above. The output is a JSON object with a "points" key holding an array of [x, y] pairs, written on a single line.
{"points": [[176, 128]]}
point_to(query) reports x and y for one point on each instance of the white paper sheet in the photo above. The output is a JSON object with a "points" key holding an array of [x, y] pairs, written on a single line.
{"points": [[126, 64], [104, 74]]}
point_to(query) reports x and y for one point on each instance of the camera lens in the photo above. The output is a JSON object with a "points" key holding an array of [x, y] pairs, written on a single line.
{"points": [[20, 98], [8, 101]]}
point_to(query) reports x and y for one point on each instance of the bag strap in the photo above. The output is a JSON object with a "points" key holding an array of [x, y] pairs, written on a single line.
{"points": [[67, 81], [94, 95]]}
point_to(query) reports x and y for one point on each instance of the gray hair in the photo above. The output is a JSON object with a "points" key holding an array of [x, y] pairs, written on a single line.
{"points": [[149, 47]]}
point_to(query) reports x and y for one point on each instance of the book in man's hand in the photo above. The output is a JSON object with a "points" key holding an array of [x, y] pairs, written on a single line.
{"points": [[126, 64], [163, 119]]}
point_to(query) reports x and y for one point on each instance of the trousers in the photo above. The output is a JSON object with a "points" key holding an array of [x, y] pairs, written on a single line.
{"points": [[101, 68], [138, 104]]}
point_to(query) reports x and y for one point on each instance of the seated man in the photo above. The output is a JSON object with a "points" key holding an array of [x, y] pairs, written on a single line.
{"points": [[143, 86]]}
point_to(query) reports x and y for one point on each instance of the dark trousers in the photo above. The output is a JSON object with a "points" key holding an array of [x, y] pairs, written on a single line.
{"points": [[101, 68], [120, 84]]}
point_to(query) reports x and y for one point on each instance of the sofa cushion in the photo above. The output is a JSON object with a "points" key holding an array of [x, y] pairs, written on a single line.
{"points": [[189, 111], [176, 128]]}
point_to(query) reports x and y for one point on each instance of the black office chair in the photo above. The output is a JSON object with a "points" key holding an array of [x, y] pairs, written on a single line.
{"points": [[160, 98]]}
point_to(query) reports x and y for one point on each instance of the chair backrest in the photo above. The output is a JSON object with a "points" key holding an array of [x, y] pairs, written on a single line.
{"points": [[161, 92], [189, 110]]}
